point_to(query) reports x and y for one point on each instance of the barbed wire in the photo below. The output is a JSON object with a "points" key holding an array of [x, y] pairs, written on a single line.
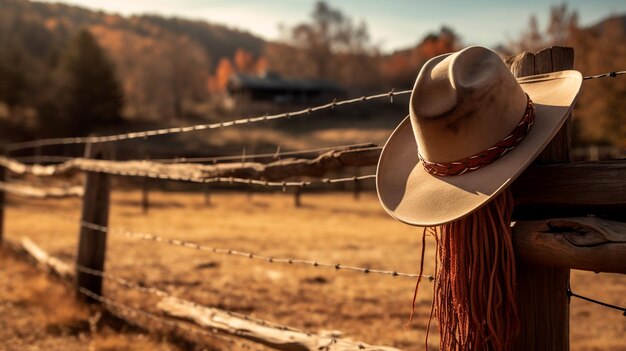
{"points": [[232, 252], [571, 293], [164, 294], [134, 311], [274, 155], [229, 180], [277, 155], [605, 75], [175, 130], [250, 255], [236, 122]]}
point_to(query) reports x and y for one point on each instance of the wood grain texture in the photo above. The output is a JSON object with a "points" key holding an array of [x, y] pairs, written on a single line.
{"points": [[543, 303], [92, 243], [2, 204], [587, 243], [263, 333]]}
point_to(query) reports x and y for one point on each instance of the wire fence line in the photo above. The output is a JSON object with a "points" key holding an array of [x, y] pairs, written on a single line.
{"points": [[232, 252], [174, 130], [249, 255], [134, 311], [236, 122], [275, 155], [612, 74], [212, 159]]}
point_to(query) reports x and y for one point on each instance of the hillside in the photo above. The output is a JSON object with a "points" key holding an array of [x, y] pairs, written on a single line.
{"points": [[40, 26], [160, 62]]}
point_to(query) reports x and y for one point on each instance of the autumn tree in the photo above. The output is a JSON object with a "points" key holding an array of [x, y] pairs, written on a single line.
{"points": [[89, 92], [400, 68], [328, 46]]}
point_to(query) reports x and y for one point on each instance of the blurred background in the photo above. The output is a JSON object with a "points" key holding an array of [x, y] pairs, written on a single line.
{"points": [[80, 67]]}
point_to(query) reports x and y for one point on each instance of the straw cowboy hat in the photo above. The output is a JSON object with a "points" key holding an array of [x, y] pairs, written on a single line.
{"points": [[472, 129]]}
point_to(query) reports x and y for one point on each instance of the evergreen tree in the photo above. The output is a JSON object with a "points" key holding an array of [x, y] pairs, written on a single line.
{"points": [[90, 94]]}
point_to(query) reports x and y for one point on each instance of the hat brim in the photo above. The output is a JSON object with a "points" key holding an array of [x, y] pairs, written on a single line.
{"points": [[413, 196]]}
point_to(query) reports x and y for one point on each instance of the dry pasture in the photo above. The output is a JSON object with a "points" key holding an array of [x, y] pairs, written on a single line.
{"points": [[330, 227]]}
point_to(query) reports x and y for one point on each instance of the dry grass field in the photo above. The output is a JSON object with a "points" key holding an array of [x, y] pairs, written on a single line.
{"points": [[330, 227]]}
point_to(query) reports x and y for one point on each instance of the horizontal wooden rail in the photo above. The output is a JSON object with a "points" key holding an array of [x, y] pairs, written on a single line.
{"points": [[587, 243], [576, 188], [36, 192], [274, 171]]}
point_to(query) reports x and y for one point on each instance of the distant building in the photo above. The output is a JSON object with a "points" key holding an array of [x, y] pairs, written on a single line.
{"points": [[272, 88]]}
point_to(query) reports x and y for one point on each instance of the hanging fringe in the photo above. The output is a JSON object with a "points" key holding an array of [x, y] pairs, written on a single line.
{"points": [[474, 299]]}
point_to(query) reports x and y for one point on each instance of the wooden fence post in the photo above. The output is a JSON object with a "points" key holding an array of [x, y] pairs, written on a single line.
{"points": [[145, 195], [145, 185], [92, 243], [542, 291], [356, 190], [2, 203], [297, 197], [207, 194]]}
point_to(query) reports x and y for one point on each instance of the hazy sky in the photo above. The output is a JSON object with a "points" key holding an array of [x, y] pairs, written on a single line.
{"points": [[392, 23]]}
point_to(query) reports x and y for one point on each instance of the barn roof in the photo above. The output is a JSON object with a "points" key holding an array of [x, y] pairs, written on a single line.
{"points": [[273, 81]]}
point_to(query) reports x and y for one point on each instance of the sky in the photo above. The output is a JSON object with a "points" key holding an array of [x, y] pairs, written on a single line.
{"points": [[393, 24]]}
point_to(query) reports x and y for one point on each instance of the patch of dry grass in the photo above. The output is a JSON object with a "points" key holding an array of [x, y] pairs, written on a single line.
{"points": [[330, 227], [37, 313]]}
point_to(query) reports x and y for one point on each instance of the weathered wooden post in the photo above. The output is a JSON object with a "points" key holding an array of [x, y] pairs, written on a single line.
{"points": [[145, 185], [2, 203], [357, 189], [145, 195], [207, 194], [542, 291], [92, 242], [297, 197]]}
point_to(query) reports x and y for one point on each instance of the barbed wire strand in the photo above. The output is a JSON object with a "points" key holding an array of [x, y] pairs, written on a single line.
{"points": [[231, 180], [571, 293], [236, 122], [273, 155], [612, 74], [231, 252], [174, 130], [213, 159], [134, 311], [250, 255]]}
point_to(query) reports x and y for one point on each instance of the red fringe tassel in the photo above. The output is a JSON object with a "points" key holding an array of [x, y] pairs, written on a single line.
{"points": [[474, 299]]}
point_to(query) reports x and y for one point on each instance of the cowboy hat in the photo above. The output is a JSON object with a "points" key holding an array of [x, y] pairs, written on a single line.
{"points": [[472, 129]]}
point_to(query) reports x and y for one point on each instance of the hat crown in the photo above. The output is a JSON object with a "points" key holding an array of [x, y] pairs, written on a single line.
{"points": [[464, 103]]}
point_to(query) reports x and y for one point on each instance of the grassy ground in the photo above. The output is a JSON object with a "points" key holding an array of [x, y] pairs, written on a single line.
{"points": [[38, 314], [329, 227]]}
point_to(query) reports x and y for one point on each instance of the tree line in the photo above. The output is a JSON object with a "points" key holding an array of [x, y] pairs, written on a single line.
{"points": [[65, 70]]}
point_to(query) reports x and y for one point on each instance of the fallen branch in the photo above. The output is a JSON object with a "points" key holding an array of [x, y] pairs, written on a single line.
{"points": [[274, 337]]}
